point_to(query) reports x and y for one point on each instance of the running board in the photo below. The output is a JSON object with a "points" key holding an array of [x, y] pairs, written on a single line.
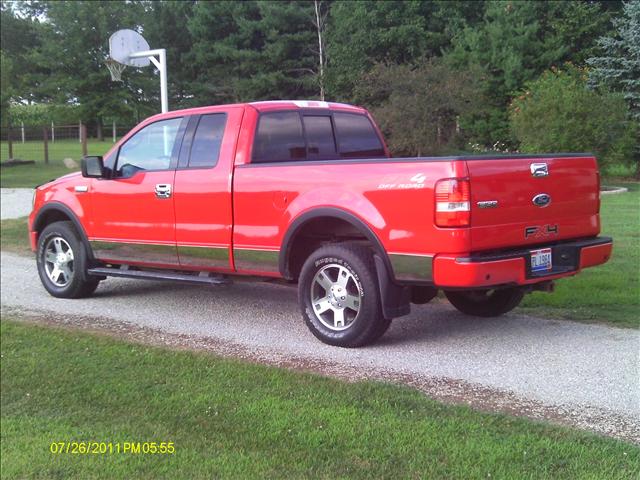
{"points": [[200, 278]]}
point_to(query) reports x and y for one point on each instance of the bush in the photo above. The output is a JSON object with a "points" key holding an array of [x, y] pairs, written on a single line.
{"points": [[558, 113], [418, 106]]}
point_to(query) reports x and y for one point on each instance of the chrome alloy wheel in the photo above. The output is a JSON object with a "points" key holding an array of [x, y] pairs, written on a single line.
{"points": [[58, 261], [335, 297]]}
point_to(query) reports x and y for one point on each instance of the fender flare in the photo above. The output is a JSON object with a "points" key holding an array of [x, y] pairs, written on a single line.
{"points": [[328, 212], [38, 223]]}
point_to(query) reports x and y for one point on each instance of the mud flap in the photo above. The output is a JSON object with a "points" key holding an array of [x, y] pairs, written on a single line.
{"points": [[394, 298]]}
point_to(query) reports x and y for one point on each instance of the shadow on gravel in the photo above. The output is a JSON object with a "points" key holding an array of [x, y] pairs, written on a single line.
{"points": [[426, 324]]}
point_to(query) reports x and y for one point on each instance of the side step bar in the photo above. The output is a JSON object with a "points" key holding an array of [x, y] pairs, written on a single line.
{"points": [[205, 278]]}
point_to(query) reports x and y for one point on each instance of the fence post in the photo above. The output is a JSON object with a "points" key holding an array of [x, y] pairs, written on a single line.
{"points": [[53, 133], [22, 130], [83, 136], [9, 142], [113, 131], [46, 144], [80, 131]]}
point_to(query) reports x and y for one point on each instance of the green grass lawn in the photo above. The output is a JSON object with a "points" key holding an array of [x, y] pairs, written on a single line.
{"points": [[608, 293], [32, 175], [230, 419]]}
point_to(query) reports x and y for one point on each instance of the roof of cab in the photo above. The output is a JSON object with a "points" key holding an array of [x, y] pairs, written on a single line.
{"points": [[288, 104], [267, 105]]}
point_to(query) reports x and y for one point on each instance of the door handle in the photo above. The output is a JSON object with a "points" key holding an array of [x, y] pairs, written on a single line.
{"points": [[163, 190]]}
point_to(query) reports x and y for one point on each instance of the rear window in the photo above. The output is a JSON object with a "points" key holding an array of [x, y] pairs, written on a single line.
{"points": [[279, 138], [356, 136], [321, 142], [205, 148], [307, 135]]}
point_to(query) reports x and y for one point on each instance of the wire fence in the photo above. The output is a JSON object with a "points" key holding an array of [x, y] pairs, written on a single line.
{"points": [[55, 143]]}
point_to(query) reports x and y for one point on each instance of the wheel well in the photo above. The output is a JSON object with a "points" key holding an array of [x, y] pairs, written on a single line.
{"points": [[316, 232], [60, 213], [50, 217]]}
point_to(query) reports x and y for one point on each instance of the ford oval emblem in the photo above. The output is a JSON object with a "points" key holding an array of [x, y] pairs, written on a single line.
{"points": [[542, 200]]}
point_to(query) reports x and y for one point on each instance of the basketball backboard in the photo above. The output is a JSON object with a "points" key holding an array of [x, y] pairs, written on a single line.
{"points": [[125, 42]]}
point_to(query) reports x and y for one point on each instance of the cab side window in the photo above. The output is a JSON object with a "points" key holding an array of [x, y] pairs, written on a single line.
{"points": [[205, 148], [356, 136], [279, 138], [150, 148]]}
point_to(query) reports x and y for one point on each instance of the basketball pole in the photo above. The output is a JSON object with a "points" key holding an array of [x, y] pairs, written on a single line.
{"points": [[161, 65]]}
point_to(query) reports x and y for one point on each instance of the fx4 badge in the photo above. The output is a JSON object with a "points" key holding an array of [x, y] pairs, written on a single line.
{"points": [[539, 170], [540, 231]]}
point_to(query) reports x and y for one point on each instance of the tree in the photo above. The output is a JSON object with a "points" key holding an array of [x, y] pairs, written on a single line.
{"points": [[320, 22], [74, 44], [253, 50], [515, 43], [619, 67], [6, 70], [557, 112], [363, 33], [165, 25], [21, 37], [418, 105]]}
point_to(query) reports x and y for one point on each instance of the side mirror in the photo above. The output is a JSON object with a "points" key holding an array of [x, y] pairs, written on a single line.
{"points": [[92, 167]]}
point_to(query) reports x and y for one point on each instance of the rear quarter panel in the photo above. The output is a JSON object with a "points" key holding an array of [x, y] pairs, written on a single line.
{"points": [[395, 199]]}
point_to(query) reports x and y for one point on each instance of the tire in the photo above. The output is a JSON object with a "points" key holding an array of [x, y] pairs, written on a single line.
{"points": [[485, 303], [64, 274], [342, 278]]}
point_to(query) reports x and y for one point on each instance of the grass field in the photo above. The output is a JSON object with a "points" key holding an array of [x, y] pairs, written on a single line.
{"points": [[230, 419], [609, 293], [32, 175], [606, 294]]}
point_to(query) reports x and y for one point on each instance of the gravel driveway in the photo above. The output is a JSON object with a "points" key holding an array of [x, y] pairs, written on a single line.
{"points": [[15, 202], [572, 373]]}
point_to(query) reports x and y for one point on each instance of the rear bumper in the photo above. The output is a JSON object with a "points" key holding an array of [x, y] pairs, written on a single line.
{"points": [[513, 267]]}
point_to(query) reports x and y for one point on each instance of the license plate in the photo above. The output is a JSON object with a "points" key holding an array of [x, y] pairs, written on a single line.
{"points": [[541, 260]]}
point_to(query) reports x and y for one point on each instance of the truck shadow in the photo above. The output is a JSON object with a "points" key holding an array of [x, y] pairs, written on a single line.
{"points": [[432, 323]]}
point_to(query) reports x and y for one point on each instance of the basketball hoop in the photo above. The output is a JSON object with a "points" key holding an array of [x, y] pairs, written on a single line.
{"points": [[127, 48], [115, 69]]}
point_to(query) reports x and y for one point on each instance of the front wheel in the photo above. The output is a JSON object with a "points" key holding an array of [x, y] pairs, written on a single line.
{"points": [[339, 298], [62, 262], [485, 303]]}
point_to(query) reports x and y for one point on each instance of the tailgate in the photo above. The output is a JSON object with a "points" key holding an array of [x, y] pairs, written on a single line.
{"points": [[532, 208]]}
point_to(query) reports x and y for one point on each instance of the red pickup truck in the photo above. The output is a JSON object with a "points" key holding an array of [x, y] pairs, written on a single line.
{"points": [[306, 192]]}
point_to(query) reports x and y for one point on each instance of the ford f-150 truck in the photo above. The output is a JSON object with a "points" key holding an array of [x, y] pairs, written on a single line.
{"points": [[307, 192]]}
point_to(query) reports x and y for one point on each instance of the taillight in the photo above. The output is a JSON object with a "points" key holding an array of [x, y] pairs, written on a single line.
{"points": [[599, 194], [453, 202]]}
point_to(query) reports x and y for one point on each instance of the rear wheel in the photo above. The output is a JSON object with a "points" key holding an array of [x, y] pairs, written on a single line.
{"points": [[62, 262], [338, 295], [485, 303]]}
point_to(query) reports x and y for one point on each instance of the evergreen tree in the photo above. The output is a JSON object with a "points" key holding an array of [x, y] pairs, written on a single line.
{"points": [[619, 66], [165, 25], [363, 33], [515, 43], [253, 50]]}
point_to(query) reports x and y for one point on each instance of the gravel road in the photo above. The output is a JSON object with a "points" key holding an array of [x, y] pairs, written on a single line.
{"points": [[571, 373], [15, 202]]}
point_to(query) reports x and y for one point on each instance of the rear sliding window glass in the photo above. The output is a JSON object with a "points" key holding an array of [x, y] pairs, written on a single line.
{"points": [[279, 138], [356, 136], [205, 148], [321, 142]]}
